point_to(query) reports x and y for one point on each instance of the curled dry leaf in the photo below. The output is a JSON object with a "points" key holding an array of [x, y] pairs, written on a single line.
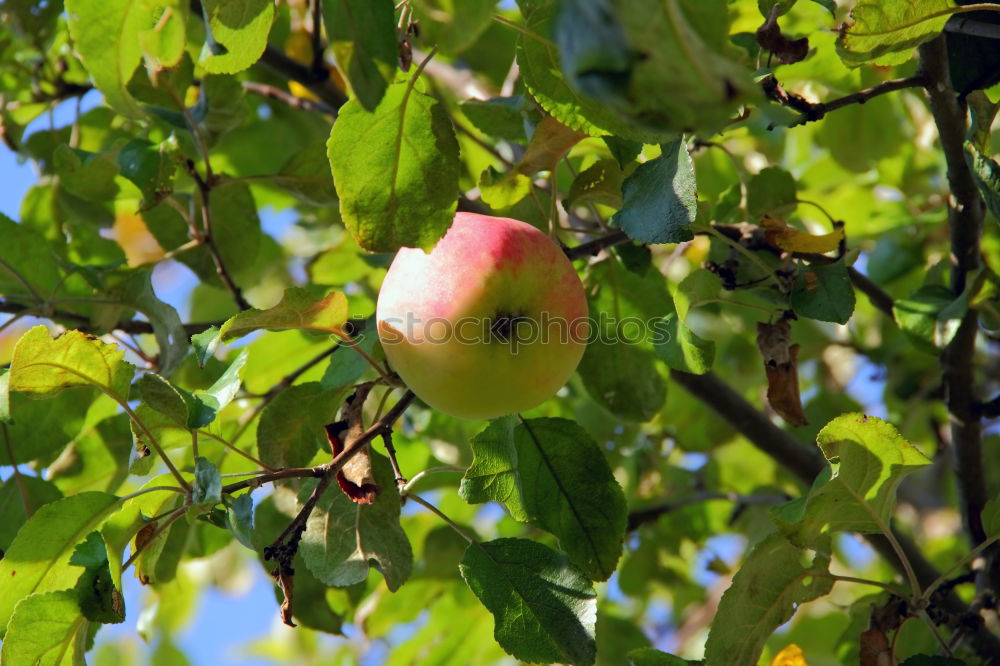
{"points": [[356, 477], [781, 366], [785, 50]]}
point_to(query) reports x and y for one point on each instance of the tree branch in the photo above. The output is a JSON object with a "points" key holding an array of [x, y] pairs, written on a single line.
{"points": [[786, 450], [591, 248], [965, 221], [649, 514], [82, 322], [878, 297], [300, 103], [316, 82], [812, 111]]}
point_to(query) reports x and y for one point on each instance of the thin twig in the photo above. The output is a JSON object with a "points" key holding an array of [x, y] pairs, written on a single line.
{"points": [[451, 523], [591, 248], [878, 297], [391, 452], [648, 514], [166, 522], [812, 111], [300, 103]]}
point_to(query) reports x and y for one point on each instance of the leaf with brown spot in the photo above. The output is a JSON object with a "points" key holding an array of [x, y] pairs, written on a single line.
{"points": [[785, 50]]}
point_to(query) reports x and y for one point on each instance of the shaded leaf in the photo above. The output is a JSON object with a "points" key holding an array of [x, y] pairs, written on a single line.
{"points": [[306, 174], [27, 264], [764, 594], [772, 191], [20, 497], [33, 434], [600, 183], [652, 657], [239, 519], [363, 41], [38, 559], [237, 33], [544, 610], [343, 539], [550, 473], [290, 431], [659, 200], [453, 25], [498, 116], [930, 316], [887, 31], [657, 66], [46, 629], [857, 493], [207, 487], [682, 349], [823, 292]]}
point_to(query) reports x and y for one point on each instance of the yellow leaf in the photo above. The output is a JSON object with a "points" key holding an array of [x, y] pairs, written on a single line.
{"points": [[793, 240], [790, 655]]}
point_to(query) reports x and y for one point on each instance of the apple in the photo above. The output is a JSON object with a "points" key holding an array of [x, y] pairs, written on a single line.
{"points": [[492, 321]]}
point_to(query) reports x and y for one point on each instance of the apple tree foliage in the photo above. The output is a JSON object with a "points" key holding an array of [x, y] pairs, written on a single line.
{"points": [[804, 195]]}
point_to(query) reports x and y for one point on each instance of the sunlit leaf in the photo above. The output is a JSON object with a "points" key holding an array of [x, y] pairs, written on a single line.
{"points": [[38, 559], [236, 34], [857, 493], [887, 31], [380, 160], [764, 594], [46, 629], [299, 309]]}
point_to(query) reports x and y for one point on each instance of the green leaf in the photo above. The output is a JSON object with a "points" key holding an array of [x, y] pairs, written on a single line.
{"points": [[236, 229], [772, 191], [106, 35], [659, 200], [453, 25], [544, 610], [99, 598], [930, 316], [97, 458], [306, 174], [149, 167], [290, 431], [886, 31], [239, 519], [991, 517], [823, 292], [46, 366], [88, 176], [764, 594], [27, 264], [134, 290], [299, 308], [858, 493], [380, 161], [697, 288], [38, 558], [363, 41], [34, 434], [986, 173], [652, 657], [551, 473], [208, 403], [46, 629], [207, 488], [682, 349], [344, 539], [619, 366], [165, 36], [498, 116], [600, 183], [20, 497], [236, 34], [204, 344], [346, 364], [659, 66]]}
